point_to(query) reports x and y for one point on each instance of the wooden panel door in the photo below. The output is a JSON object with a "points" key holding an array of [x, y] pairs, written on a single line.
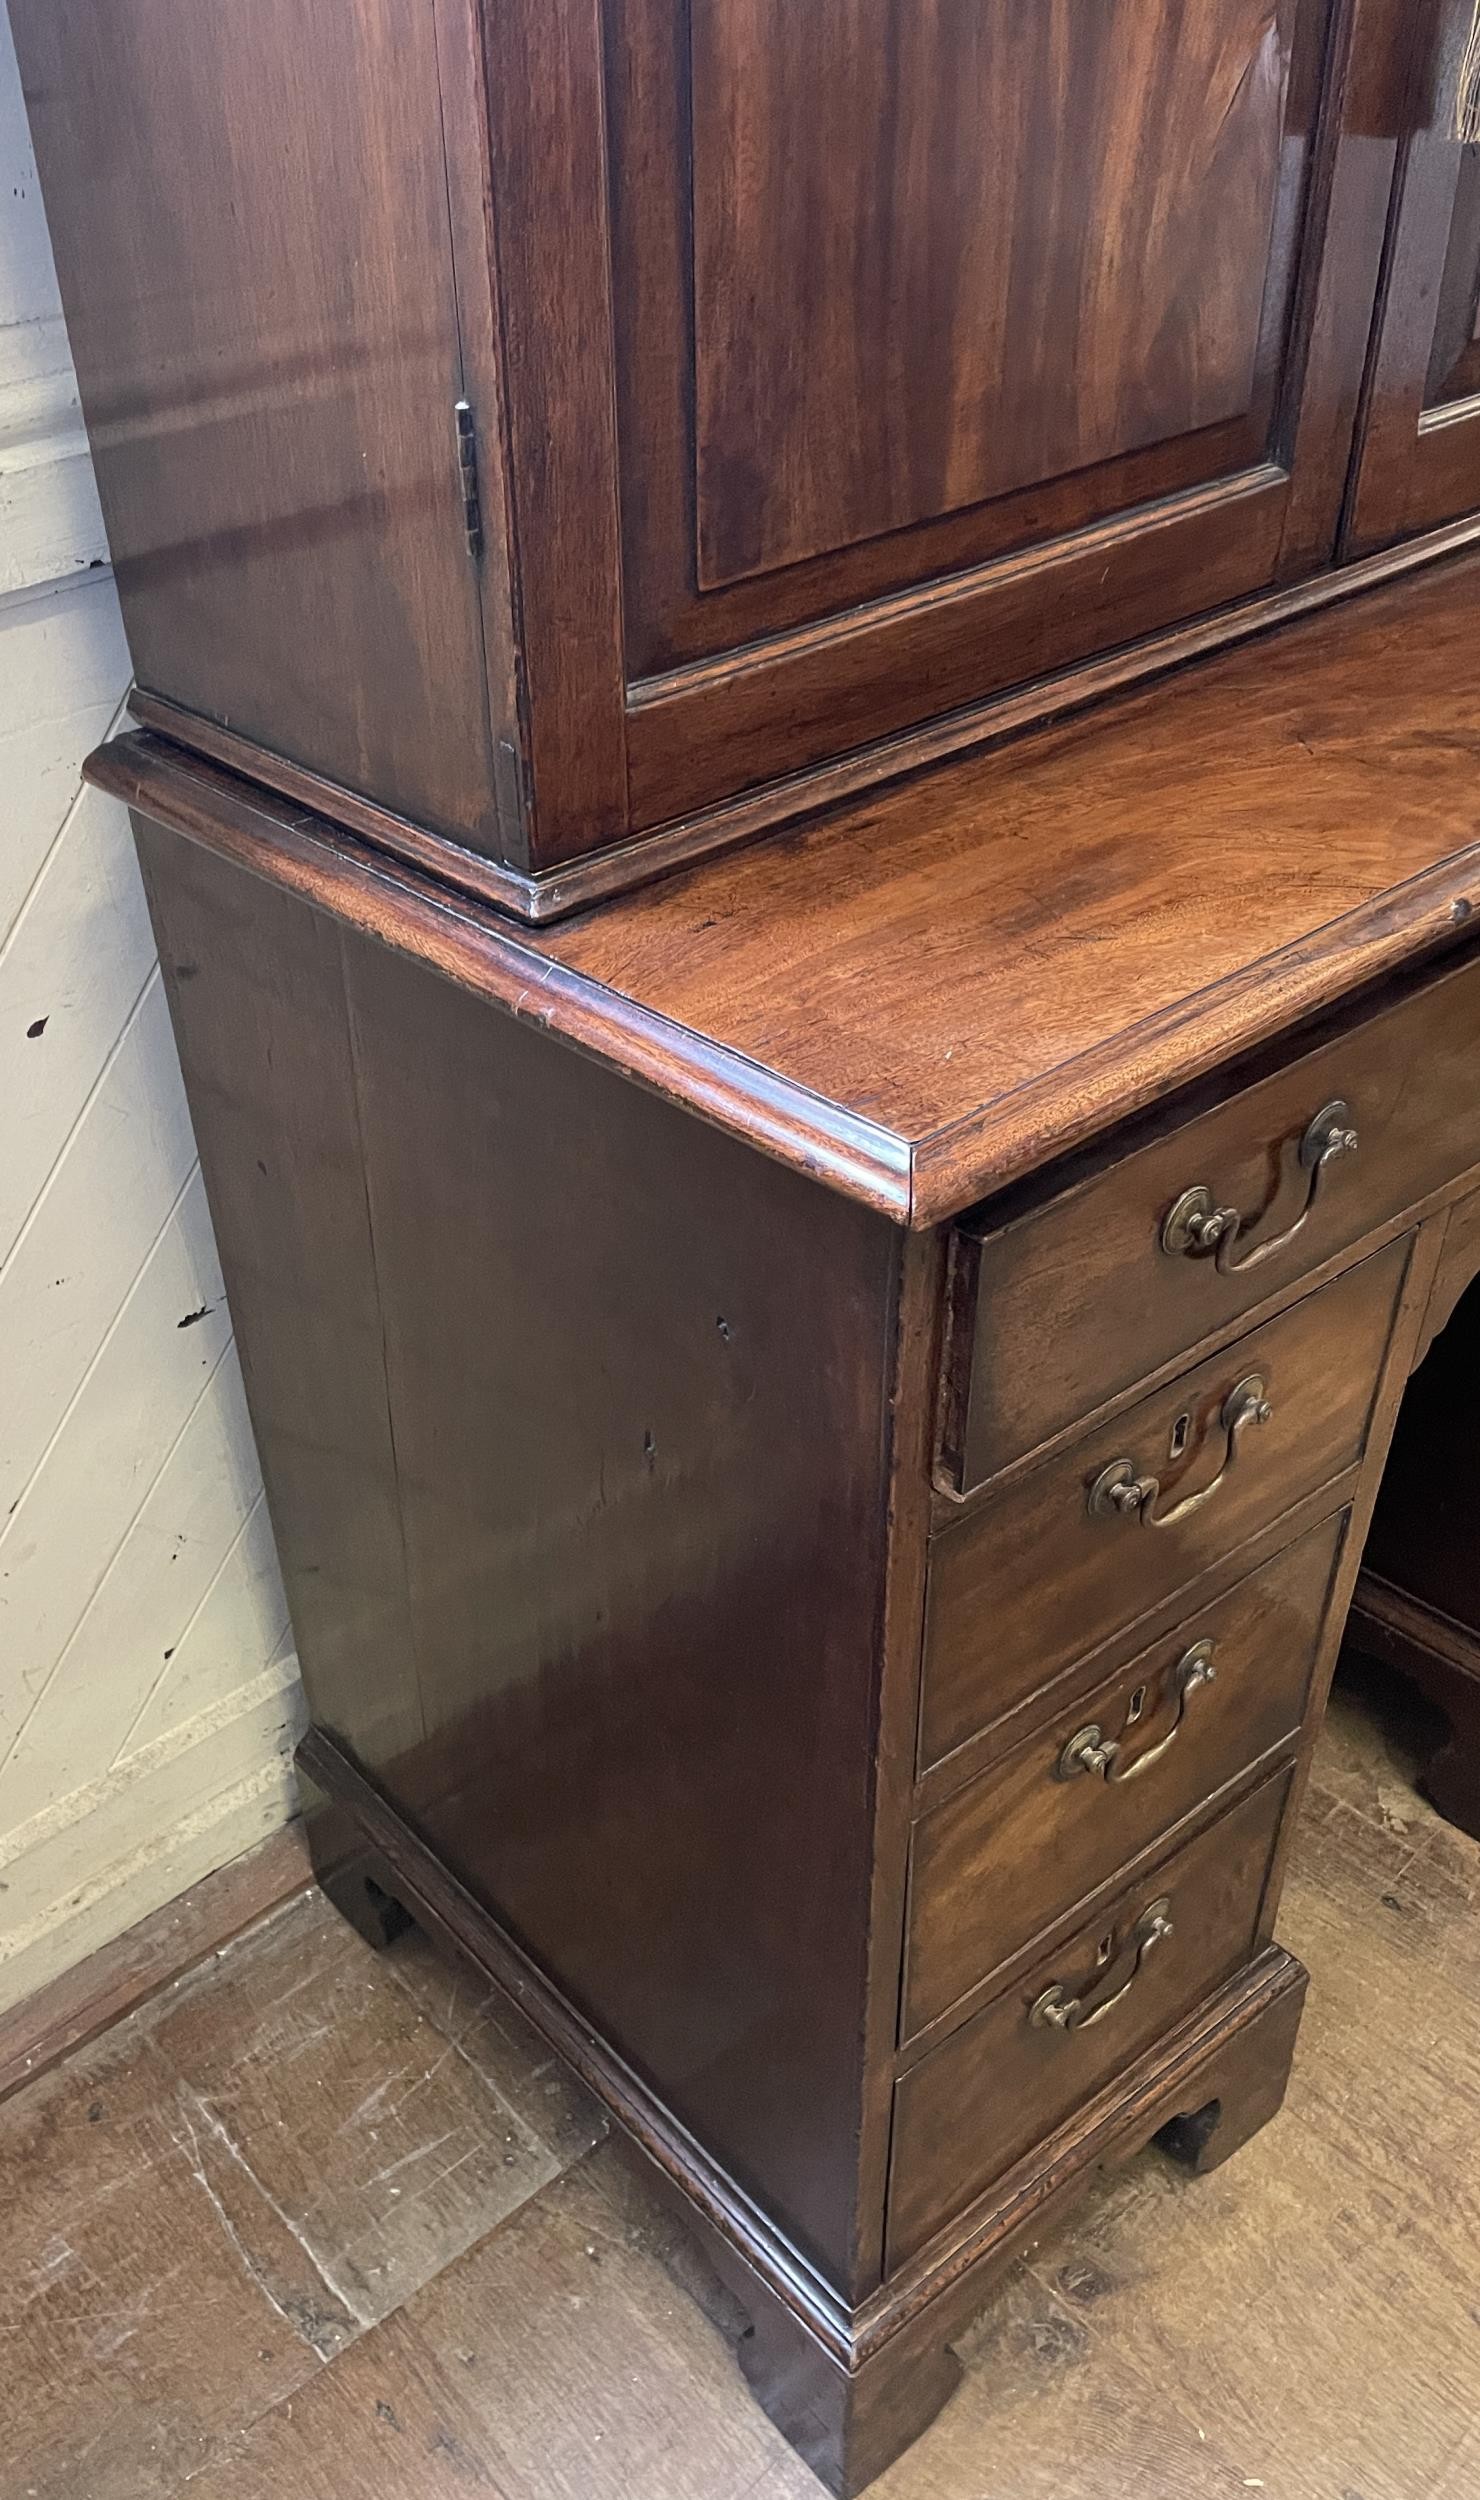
{"points": [[249, 206], [1420, 459], [956, 341]]}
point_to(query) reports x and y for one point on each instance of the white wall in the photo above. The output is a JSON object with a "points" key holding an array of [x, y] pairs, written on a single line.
{"points": [[148, 1691]]}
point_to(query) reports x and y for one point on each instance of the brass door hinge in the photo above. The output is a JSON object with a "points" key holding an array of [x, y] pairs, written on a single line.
{"points": [[467, 469]]}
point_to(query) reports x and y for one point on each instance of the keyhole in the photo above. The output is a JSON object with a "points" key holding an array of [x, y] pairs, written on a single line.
{"points": [[1181, 1431], [1135, 1705]]}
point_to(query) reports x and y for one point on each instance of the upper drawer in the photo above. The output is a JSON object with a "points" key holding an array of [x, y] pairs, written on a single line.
{"points": [[1094, 1288], [1048, 1568]]}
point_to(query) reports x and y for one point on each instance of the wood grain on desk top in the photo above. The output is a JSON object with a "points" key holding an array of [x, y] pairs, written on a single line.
{"points": [[926, 995]]}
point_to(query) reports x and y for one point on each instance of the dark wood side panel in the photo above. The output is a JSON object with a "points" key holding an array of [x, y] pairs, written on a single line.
{"points": [[933, 265], [632, 1382], [249, 210], [254, 989]]}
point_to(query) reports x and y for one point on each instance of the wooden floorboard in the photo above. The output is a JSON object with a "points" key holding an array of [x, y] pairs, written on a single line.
{"points": [[85, 2002], [313, 2224]]}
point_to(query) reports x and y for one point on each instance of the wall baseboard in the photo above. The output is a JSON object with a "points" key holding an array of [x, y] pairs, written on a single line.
{"points": [[78, 1875], [51, 524]]}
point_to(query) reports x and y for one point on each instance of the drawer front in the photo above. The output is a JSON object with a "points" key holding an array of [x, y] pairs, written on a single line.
{"points": [[1045, 1570], [1069, 1304], [1119, 1766], [1012, 2074]]}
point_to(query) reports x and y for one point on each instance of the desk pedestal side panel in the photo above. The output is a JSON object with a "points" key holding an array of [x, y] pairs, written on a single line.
{"points": [[575, 1419]]}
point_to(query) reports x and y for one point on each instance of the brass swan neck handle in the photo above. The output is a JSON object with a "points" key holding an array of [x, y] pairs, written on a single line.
{"points": [[1056, 2010], [1198, 1228], [1119, 1492], [1104, 1756]]}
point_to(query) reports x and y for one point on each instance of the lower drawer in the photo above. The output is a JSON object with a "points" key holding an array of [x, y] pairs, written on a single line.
{"points": [[1021, 2066], [1000, 1861]]}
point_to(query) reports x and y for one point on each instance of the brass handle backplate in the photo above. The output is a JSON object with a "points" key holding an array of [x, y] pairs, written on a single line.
{"points": [[1103, 1756], [1055, 2009], [1197, 1227], [1119, 1493]]}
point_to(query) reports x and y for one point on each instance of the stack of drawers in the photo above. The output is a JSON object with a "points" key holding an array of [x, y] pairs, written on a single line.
{"points": [[1160, 1406]]}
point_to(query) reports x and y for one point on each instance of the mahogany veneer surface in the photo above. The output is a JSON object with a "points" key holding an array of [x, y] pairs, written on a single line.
{"points": [[925, 995], [943, 953]]}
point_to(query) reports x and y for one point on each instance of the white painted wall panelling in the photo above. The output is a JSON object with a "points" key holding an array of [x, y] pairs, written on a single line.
{"points": [[148, 1690]]}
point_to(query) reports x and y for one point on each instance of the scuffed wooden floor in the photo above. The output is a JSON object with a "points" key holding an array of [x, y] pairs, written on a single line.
{"points": [[322, 2225]]}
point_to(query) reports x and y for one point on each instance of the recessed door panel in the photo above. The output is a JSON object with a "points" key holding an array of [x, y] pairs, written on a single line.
{"points": [[957, 341], [948, 251]]}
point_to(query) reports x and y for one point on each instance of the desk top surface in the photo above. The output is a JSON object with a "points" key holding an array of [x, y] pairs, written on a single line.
{"points": [[927, 994]]}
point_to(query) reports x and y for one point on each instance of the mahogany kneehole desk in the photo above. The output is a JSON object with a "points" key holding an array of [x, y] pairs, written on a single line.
{"points": [[825, 1269], [821, 1422]]}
